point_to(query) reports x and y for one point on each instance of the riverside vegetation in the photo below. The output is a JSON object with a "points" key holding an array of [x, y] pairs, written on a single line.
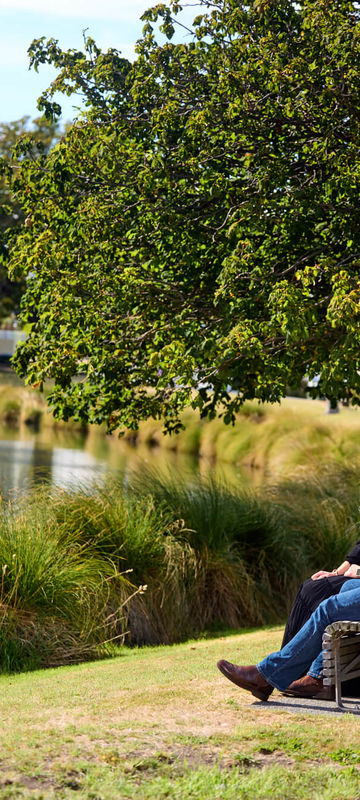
{"points": [[269, 437], [209, 555]]}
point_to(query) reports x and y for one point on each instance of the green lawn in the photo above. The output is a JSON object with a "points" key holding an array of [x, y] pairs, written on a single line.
{"points": [[163, 723]]}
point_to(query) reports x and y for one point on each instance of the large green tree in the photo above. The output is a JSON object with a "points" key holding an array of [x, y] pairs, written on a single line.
{"points": [[199, 225]]}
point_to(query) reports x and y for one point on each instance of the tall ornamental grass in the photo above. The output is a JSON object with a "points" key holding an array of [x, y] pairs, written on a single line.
{"points": [[60, 600], [253, 548], [210, 556], [246, 562]]}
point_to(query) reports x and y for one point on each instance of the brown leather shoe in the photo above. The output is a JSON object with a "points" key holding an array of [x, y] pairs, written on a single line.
{"points": [[247, 678], [310, 687]]}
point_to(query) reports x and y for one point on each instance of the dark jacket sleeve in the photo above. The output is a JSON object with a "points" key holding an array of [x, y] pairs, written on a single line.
{"points": [[353, 557]]}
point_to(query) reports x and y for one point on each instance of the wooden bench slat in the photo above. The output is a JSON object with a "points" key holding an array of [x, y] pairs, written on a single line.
{"points": [[349, 677], [341, 654], [341, 627], [345, 649], [344, 673]]}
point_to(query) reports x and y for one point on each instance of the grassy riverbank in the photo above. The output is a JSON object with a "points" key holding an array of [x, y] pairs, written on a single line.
{"points": [[162, 722], [210, 556], [22, 406], [275, 438]]}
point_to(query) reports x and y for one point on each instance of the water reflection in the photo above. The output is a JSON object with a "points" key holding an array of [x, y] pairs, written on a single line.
{"points": [[26, 463], [71, 460]]}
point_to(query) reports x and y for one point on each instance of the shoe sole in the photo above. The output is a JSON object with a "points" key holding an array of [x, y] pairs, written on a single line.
{"points": [[318, 696]]}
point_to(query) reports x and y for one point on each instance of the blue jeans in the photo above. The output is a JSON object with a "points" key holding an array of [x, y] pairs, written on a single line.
{"points": [[303, 653]]}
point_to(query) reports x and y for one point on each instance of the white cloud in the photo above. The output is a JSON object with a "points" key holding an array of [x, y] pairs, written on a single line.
{"points": [[121, 10]]}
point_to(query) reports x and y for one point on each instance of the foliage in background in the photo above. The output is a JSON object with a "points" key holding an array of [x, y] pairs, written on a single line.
{"points": [[43, 134], [199, 223]]}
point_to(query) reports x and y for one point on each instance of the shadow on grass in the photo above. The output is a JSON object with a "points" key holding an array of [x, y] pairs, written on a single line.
{"points": [[220, 633]]}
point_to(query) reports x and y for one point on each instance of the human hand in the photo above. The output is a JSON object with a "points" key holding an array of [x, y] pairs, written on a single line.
{"points": [[321, 574], [352, 571]]}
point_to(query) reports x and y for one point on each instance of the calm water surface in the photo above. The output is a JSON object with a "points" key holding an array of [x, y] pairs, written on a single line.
{"points": [[73, 460]]}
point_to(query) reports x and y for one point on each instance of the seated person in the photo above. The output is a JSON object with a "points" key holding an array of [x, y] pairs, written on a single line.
{"points": [[301, 656], [319, 587]]}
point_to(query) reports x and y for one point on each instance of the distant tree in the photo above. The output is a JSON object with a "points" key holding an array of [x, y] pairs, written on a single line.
{"points": [[198, 227], [43, 133]]}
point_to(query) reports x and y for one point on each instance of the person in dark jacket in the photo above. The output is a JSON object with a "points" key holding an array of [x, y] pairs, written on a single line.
{"points": [[319, 587]]}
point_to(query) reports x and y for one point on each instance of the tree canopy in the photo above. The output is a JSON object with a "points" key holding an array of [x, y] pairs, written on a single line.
{"points": [[198, 226], [42, 135]]}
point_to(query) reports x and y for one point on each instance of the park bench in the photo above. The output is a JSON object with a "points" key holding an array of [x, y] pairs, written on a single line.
{"points": [[341, 655]]}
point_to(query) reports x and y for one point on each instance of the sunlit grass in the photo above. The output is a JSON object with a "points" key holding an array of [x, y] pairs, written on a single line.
{"points": [[162, 723]]}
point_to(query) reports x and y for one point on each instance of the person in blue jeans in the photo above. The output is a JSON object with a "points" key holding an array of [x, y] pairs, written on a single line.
{"points": [[283, 669]]}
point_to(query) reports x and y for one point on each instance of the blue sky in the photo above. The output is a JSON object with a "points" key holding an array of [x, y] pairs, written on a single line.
{"points": [[112, 23]]}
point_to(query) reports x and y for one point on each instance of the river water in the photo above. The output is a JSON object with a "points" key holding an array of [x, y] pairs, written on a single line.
{"points": [[73, 460]]}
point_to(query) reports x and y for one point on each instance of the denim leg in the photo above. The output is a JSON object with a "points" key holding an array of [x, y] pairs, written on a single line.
{"points": [[350, 585], [285, 666], [315, 670]]}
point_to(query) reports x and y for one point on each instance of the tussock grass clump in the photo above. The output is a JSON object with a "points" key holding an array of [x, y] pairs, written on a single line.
{"points": [[10, 413], [144, 536], [253, 548], [137, 535], [60, 600], [245, 561], [193, 567], [19, 404]]}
